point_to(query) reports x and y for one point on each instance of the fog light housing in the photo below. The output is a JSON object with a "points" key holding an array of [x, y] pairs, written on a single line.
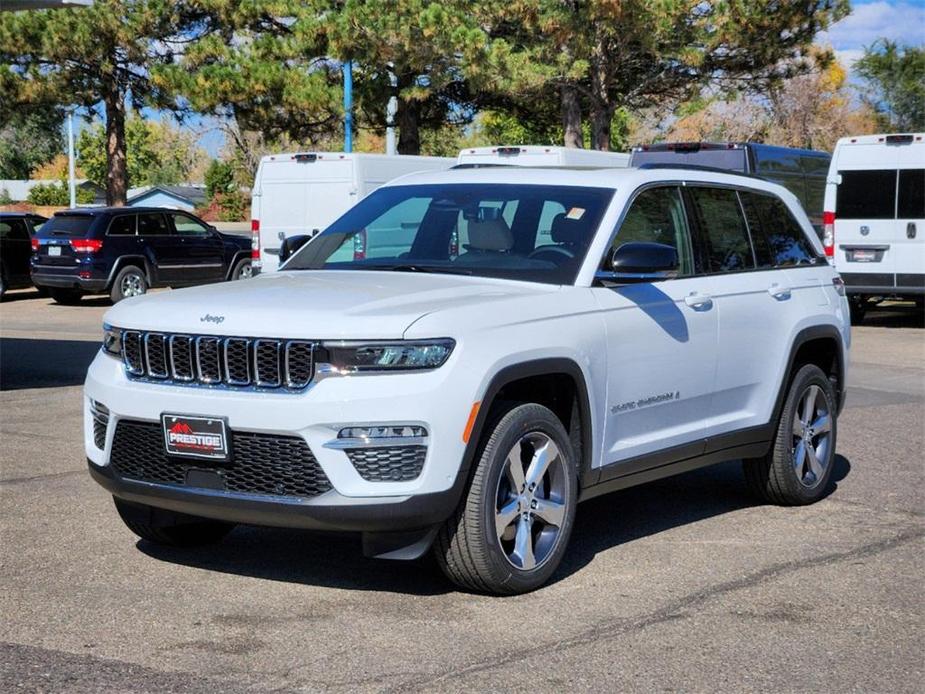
{"points": [[383, 431]]}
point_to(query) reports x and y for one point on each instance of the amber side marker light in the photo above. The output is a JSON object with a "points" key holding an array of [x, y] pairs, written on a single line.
{"points": [[473, 413]]}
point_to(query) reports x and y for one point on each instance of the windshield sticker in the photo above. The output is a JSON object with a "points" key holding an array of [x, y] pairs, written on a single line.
{"points": [[575, 213]]}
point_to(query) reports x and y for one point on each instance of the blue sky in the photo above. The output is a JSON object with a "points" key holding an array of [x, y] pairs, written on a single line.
{"points": [[900, 20]]}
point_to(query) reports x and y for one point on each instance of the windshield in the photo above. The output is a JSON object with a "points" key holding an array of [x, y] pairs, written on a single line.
{"points": [[535, 233]]}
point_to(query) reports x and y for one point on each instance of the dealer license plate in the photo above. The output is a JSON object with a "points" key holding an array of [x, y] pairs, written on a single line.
{"points": [[863, 256], [195, 437]]}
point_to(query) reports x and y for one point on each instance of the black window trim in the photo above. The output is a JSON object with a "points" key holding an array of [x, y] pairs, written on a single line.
{"points": [[695, 234]]}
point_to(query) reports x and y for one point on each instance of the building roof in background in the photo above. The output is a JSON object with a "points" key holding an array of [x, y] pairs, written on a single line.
{"points": [[192, 194]]}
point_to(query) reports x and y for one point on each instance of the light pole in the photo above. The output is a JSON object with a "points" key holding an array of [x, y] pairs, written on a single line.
{"points": [[348, 106], [390, 111], [71, 178]]}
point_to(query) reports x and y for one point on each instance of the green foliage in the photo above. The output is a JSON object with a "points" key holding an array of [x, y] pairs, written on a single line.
{"points": [[5, 198], [232, 206], [157, 154], [895, 77], [28, 139], [56, 194], [219, 178]]}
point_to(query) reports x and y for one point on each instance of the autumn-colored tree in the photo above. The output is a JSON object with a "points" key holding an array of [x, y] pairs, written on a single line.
{"points": [[602, 55], [156, 153], [102, 54]]}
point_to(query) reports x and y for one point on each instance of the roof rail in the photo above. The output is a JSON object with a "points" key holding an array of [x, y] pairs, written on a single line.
{"points": [[695, 167]]}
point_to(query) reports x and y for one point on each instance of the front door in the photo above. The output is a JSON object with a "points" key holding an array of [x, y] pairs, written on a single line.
{"points": [[661, 342], [203, 249]]}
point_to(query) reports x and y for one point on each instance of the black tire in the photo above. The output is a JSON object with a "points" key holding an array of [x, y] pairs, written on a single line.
{"points": [[239, 269], [171, 529], [774, 478], [128, 277], [42, 291], [858, 307], [468, 548], [65, 297], [2, 282]]}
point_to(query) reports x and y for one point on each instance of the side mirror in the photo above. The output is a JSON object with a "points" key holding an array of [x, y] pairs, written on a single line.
{"points": [[291, 244], [641, 262]]}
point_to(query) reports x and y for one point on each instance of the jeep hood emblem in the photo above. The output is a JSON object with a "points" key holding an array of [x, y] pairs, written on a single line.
{"points": [[208, 318]]}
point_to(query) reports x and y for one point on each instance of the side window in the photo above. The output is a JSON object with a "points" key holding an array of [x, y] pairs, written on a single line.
{"points": [[778, 237], [866, 195], [187, 226], [911, 199], [657, 216], [722, 225], [152, 224], [14, 229], [123, 225]]}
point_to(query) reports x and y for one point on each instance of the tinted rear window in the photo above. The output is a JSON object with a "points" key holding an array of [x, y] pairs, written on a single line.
{"points": [[720, 219], [866, 195], [911, 200], [68, 225], [778, 237], [729, 159]]}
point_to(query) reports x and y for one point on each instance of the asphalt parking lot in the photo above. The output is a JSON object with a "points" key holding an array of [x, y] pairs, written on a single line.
{"points": [[685, 584]]}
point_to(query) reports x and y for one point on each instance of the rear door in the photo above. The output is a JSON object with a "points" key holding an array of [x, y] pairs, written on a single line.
{"points": [[909, 261], [161, 247], [865, 223], [203, 250]]}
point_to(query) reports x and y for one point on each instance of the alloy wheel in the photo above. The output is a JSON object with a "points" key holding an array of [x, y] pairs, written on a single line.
{"points": [[132, 285], [812, 435], [245, 272], [531, 498]]}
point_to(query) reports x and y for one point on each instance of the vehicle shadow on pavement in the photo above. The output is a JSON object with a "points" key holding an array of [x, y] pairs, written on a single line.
{"points": [[44, 363], [336, 561], [894, 316], [33, 294], [632, 514]]}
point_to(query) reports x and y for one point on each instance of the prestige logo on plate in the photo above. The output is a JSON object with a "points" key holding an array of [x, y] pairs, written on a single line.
{"points": [[197, 437]]}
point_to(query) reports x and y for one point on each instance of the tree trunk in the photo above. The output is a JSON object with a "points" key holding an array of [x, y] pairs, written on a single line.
{"points": [[571, 117], [409, 135], [117, 173], [601, 117]]}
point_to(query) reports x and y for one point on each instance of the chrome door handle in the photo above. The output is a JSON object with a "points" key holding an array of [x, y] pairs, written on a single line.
{"points": [[698, 300], [779, 291]]}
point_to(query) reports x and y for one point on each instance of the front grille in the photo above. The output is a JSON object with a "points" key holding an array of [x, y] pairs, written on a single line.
{"points": [[388, 464], [238, 362], [260, 463]]}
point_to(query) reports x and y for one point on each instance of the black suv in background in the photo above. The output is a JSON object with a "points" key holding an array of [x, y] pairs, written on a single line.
{"points": [[16, 230], [123, 251]]}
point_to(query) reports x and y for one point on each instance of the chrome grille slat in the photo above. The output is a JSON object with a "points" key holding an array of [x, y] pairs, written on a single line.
{"points": [[207, 360]]}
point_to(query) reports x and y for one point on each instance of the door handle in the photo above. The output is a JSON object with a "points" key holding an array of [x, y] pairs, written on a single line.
{"points": [[910, 230], [698, 300], [779, 291]]}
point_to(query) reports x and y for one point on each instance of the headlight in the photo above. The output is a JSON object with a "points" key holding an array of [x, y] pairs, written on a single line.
{"points": [[394, 356], [112, 341]]}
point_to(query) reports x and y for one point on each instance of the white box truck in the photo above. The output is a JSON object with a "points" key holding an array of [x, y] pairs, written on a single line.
{"points": [[541, 155], [303, 192], [874, 219]]}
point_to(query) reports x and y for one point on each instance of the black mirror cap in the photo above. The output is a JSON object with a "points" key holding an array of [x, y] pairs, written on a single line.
{"points": [[291, 244], [644, 258]]}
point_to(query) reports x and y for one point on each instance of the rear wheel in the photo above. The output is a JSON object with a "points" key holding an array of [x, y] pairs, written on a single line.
{"points": [[129, 282], [67, 297], [798, 467], [2, 282], [511, 530], [172, 529], [858, 306], [242, 270]]}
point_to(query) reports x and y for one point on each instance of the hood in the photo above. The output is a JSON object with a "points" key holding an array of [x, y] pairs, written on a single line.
{"points": [[312, 304]]}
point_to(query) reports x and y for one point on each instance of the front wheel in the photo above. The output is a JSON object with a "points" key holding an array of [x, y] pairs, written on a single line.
{"points": [[797, 469], [511, 530]]}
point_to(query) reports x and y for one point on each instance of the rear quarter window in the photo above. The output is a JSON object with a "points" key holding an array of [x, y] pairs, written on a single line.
{"points": [[866, 194]]}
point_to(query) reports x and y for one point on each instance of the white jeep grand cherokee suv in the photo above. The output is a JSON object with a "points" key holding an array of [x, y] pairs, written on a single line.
{"points": [[464, 356]]}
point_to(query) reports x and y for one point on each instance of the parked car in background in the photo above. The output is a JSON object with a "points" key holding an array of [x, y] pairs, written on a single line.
{"points": [[540, 155], [875, 217], [301, 193], [124, 251], [16, 230], [801, 171]]}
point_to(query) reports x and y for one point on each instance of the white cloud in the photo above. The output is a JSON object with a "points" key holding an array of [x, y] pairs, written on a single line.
{"points": [[900, 21]]}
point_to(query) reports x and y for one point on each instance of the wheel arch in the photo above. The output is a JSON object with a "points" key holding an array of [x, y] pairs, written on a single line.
{"points": [[124, 260], [235, 259], [821, 345]]}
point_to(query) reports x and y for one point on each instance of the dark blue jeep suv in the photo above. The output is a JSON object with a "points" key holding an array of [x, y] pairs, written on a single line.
{"points": [[123, 251]]}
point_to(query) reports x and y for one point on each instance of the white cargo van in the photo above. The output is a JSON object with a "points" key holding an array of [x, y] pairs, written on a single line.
{"points": [[540, 155], [303, 192], [875, 217]]}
